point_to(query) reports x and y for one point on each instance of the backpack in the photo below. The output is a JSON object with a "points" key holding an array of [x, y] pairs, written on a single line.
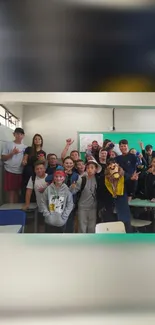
{"points": [[78, 195]]}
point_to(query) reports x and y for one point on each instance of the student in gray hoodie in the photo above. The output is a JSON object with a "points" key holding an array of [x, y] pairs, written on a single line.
{"points": [[57, 204]]}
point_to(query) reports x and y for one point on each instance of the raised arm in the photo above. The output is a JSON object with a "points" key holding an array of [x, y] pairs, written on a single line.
{"points": [[6, 155], [65, 150], [76, 186], [142, 147]]}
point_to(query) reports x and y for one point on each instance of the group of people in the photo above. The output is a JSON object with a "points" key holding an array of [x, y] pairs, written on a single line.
{"points": [[73, 195]]}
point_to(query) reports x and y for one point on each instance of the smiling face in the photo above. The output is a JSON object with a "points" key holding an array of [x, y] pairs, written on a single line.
{"points": [[40, 170], [59, 178], [68, 164], [123, 148]]}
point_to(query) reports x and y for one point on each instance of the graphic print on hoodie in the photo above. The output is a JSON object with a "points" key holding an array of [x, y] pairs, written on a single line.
{"points": [[57, 204]]}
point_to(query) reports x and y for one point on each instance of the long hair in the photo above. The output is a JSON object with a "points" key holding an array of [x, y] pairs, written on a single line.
{"points": [[34, 151]]}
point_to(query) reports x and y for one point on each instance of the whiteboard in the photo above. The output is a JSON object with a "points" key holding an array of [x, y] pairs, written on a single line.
{"points": [[88, 138]]}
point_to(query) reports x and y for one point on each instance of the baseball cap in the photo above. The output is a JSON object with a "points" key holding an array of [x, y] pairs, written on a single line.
{"points": [[19, 130]]}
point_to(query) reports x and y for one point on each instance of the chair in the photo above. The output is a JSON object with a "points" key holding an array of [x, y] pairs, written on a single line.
{"points": [[112, 227], [12, 217], [138, 223]]}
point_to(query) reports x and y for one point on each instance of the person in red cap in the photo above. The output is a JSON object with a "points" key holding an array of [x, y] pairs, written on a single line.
{"points": [[57, 204]]}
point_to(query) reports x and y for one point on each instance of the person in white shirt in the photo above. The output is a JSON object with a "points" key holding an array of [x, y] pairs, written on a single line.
{"points": [[12, 155], [38, 184]]}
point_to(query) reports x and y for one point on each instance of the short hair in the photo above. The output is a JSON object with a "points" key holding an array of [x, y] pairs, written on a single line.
{"points": [[103, 150], [68, 157], [39, 162], [111, 161], [89, 162], [74, 151], [79, 160], [123, 141], [95, 141], [148, 147], [52, 154], [105, 142]]}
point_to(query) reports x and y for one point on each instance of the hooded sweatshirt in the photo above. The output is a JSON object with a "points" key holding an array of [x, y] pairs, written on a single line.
{"points": [[57, 204]]}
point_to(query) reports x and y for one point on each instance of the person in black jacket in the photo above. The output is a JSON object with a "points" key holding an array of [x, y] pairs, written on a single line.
{"points": [[148, 153], [150, 182]]}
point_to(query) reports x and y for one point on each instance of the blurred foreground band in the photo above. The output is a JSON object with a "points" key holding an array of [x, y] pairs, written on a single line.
{"points": [[43, 274], [77, 45]]}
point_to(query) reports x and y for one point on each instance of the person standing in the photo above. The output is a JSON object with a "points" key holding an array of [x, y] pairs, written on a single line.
{"points": [[12, 155]]}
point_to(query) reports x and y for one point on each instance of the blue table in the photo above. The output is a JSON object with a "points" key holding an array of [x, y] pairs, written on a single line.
{"points": [[18, 206]]}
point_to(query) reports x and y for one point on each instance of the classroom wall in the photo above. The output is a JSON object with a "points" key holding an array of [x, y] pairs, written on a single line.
{"points": [[59, 123], [56, 124]]}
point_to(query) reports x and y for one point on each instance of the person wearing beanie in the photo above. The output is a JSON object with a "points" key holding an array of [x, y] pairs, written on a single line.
{"points": [[57, 204]]}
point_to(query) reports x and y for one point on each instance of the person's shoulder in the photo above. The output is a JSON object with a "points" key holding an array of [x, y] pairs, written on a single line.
{"points": [[119, 158], [132, 157], [65, 188], [27, 149], [9, 144]]}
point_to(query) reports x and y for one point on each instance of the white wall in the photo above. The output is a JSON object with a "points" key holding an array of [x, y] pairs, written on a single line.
{"points": [[105, 99], [135, 120], [56, 124]]}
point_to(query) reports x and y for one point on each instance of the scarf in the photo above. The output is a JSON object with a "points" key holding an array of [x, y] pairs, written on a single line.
{"points": [[115, 188]]}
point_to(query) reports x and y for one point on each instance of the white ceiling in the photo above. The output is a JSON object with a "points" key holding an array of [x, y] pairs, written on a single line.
{"points": [[134, 100]]}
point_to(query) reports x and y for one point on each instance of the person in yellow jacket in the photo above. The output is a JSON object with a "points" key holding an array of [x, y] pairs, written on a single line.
{"points": [[115, 179]]}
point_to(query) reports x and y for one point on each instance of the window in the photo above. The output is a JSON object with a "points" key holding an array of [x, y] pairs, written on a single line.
{"points": [[2, 116], [8, 119]]}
